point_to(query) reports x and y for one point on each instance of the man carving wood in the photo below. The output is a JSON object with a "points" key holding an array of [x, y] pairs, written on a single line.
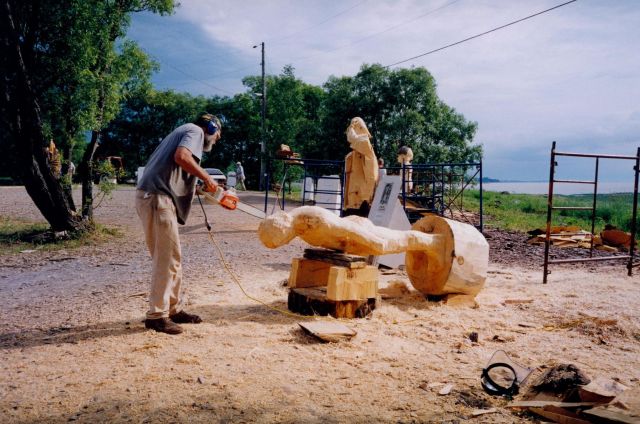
{"points": [[361, 170]]}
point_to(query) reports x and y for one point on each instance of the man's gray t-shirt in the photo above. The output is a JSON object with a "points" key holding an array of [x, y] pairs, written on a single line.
{"points": [[162, 175]]}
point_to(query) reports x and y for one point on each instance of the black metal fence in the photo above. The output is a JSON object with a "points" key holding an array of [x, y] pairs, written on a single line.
{"points": [[427, 188]]}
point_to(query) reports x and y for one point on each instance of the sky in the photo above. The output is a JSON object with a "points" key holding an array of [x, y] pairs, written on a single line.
{"points": [[571, 75]]}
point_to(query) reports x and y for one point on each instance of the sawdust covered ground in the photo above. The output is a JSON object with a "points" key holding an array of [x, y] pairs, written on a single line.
{"points": [[73, 346]]}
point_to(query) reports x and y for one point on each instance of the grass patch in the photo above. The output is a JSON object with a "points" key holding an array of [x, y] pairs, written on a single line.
{"points": [[17, 235], [524, 212]]}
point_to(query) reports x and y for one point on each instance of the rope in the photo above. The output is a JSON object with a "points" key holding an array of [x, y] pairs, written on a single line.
{"points": [[237, 281]]}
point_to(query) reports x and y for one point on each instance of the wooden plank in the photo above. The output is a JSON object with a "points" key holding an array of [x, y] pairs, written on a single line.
{"points": [[478, 412], [336, 258], [328, 331], [308, 273], [610, 415], [559, 415], [313, 301], [352, 284], [543, 403]]}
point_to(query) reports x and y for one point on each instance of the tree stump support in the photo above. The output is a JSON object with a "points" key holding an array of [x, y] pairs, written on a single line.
{"points": [[332, 283]]}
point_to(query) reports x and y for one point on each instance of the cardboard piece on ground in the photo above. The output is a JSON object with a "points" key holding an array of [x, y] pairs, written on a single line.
{"points": [[601, 390], [328, 331], [625, 408]]}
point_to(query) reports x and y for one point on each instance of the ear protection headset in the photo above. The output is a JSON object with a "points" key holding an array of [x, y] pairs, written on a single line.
{"points": [[212, 128]]}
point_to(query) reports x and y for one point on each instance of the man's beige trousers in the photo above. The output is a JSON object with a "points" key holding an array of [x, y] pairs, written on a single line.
{"points": [[158, 216]]}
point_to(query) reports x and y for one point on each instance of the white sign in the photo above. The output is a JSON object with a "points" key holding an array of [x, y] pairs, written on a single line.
{"points": [[387, 211]]}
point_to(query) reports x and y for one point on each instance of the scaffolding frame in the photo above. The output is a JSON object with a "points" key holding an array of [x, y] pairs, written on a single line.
{"points": [[550, 208]]}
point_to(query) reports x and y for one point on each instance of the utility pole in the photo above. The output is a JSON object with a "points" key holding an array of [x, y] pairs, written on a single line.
{"points": [[263, 116]]}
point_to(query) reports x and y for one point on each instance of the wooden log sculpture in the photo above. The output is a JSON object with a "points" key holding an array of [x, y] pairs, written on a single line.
{"points": [[443, 256], [361, 168]]}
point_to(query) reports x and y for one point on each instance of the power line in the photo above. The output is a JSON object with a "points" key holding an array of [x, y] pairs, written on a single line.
{"points": [[479, 35], [300, 59], [199, 80], [400, 24], [317, 24]]}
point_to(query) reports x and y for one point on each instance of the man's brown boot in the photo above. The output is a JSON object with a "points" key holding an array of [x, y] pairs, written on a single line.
{"points": [[184, 318], [163, 325]]}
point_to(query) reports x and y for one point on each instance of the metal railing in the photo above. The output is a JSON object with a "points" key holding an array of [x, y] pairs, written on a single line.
{"points": [[426, 188], [315, 169], [439, 188]]}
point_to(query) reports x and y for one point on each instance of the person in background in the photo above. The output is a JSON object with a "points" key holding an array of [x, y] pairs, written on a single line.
{"points": [[381, 169], [163, 199], [240, 177]]}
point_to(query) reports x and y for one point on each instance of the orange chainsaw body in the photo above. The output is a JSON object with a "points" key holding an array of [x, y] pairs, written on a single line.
{"points": [[229, 200]]}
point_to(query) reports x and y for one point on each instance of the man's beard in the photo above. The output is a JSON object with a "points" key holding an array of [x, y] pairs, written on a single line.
{"points": [[209, 141]]}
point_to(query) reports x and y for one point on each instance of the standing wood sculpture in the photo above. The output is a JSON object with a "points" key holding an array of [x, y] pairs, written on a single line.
{"points": [[361, 169], [443, 257], [405, 157]]}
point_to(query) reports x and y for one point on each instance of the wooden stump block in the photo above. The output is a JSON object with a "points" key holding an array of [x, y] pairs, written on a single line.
{"points": [[341, 283], [313, 301]]}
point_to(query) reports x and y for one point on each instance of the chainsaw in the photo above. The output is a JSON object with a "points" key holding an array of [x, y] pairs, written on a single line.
{"points": [[228, 199]]}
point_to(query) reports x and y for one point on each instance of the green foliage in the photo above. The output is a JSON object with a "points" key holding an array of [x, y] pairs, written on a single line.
{"points": [[74, 64], [524, 212], [400, 107]]}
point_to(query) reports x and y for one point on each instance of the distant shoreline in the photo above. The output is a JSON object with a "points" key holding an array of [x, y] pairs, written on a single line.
{"points": [[542, 187]]}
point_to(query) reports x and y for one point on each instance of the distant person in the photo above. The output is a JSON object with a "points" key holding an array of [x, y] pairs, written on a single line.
{"points": [[240, 177], [163, 200], [71, 169], [381, 169]]}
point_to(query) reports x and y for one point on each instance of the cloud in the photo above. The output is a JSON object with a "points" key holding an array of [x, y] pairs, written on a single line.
{"points": [[568, 75]]}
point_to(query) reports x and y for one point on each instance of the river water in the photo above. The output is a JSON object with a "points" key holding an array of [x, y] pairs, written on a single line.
{"points": [[558, 188]]}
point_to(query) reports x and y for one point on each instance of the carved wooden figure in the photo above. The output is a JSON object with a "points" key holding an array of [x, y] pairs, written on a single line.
{"points": [[361, 167], [443, 256], [405, 156]]}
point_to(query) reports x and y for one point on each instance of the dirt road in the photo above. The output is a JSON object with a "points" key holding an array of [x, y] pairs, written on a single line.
{"points": [[73, 346]]}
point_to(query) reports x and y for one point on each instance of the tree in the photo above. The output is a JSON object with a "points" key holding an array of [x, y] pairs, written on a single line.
{"points": [[111, 84], [144, 119], [400, 107], [55, 80]]}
